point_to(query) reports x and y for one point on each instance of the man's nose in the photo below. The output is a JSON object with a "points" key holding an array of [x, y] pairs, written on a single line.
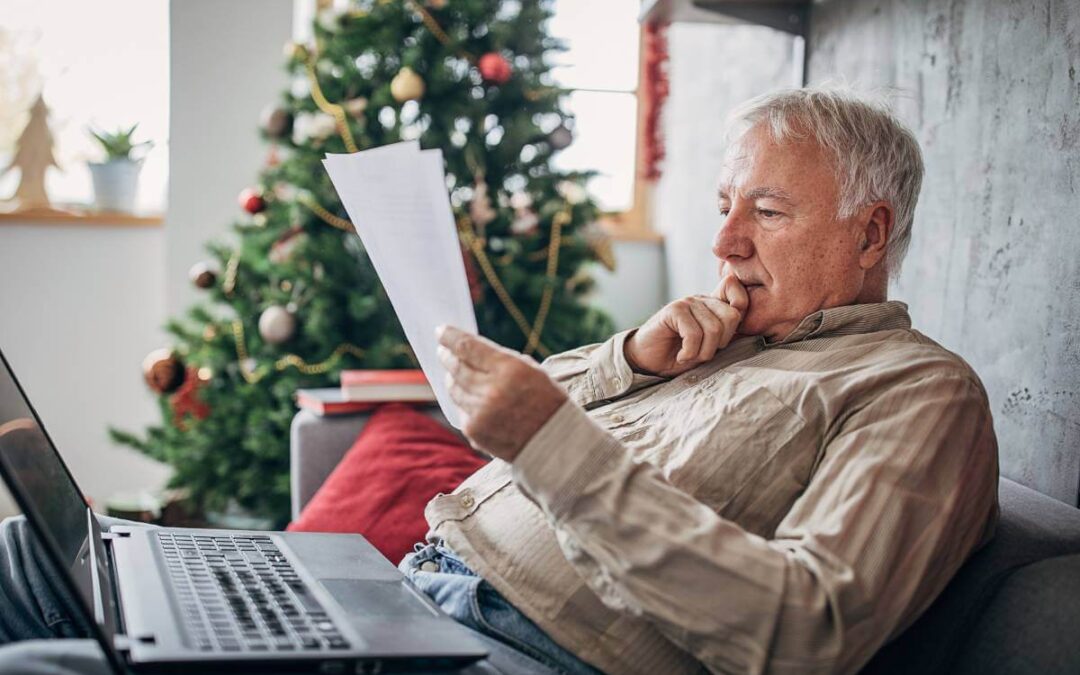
{"points": [[733, 240]]}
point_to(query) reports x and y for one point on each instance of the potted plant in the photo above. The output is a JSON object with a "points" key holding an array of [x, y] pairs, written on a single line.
{"points": [[116, 180]]}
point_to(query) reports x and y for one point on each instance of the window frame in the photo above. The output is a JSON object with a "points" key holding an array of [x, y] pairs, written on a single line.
{"points": [[636, 222]]}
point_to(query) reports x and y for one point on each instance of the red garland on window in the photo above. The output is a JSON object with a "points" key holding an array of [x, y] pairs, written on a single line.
{"points": [[654, 82]]}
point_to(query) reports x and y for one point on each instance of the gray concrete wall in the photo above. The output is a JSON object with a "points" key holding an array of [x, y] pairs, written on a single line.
{"points": [[992, 90]]}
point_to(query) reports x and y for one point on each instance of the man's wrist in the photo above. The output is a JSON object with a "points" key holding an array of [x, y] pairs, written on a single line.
{"points": [[634, 365], [567, 454]]}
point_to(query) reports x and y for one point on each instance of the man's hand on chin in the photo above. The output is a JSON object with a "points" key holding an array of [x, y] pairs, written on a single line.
{"points": [[505, 396], [689, 331]]}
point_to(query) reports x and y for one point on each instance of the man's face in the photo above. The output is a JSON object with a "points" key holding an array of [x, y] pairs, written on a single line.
{"points": [[780, 235]]}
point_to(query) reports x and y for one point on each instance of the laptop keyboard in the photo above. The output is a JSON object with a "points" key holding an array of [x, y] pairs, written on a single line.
{"points": [[240, 593]]}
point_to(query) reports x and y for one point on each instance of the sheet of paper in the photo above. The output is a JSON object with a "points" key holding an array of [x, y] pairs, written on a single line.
{"points": [[396, 197]]}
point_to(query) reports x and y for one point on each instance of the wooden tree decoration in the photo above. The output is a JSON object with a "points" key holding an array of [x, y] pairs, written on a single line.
{"points": [[33, 157]]}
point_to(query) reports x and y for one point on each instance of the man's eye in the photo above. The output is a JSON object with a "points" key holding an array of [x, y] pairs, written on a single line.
{"points": [[724, 212], [769, 214]]}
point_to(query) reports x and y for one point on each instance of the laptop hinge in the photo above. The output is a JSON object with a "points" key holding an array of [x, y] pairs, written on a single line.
{"points": [[109, 536], [122, 644]]}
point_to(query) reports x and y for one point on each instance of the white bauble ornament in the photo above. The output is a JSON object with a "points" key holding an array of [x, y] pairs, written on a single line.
{"points": [[572, 192], [300, 87], [407, 86], [480, 210], [525, 222], [520, 200], [276, 325], [312, 126]]}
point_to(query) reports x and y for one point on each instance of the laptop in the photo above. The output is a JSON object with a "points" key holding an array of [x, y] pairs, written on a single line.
{"points": [[178, 599]]}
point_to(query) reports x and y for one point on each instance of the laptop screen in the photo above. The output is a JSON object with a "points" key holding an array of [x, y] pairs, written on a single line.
{"points": [[52, 502]]}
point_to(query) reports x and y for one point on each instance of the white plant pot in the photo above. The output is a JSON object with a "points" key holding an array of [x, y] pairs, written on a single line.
{"points": [[115, 184]]}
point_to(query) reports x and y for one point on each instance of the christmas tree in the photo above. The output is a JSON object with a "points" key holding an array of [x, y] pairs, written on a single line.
{"points": [[294, 300]]}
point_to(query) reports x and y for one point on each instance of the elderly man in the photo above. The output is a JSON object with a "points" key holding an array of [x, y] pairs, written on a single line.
{"points": [[776, 477]]}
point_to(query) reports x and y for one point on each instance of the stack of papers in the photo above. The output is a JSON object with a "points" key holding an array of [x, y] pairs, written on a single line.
{"points": [[396, 198]]}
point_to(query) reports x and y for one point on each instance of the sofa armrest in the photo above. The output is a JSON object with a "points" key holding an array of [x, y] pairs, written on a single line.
{"points": [[316, 445]]}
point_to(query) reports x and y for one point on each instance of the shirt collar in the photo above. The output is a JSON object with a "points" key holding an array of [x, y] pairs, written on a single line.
{"points": [[849, 320]]}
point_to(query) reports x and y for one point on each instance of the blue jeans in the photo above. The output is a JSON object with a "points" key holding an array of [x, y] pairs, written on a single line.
{"points": [[441, 575], [35, 608]]}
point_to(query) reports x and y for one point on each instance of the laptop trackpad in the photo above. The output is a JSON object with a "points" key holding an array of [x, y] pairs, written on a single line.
{"points": [[366, 598]]}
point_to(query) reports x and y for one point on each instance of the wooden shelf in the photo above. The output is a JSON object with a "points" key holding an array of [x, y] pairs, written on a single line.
{"points": [[790, 16], [80, 216]]}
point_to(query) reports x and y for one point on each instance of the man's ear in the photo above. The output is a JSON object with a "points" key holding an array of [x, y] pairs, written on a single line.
{"points": [[875, 228]]}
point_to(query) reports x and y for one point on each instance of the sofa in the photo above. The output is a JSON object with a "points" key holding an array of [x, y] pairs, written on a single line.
{"points": [[1013, 608]]}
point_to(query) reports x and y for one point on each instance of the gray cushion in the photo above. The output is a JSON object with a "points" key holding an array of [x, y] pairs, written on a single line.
{"points": [[1032, 527], [1032, 625]]}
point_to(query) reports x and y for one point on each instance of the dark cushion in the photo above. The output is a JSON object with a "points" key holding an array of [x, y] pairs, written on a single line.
{"points": [[400, 460], [1031, 626], [1032, 527]]}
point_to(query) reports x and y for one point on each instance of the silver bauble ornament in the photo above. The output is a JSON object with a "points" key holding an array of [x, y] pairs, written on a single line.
{"points": [[276, 325]]}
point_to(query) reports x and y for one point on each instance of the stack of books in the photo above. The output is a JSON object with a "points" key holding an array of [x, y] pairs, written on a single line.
{"points": [[362, 390]]}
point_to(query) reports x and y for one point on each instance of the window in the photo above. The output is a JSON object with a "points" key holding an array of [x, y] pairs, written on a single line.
{"points": [[102, 63], [601, 67]]}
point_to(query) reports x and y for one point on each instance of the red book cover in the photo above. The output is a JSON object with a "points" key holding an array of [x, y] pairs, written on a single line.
{"points": [[330, 401], [407, 386], [351, 378]]}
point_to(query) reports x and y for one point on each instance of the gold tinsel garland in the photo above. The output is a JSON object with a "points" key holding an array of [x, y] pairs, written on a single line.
{"points": [[329, 218], [253, 376], [332, 109]]}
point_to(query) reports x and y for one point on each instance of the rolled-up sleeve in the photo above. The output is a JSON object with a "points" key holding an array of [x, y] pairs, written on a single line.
{"points": [[904, 491], [597, 373]]}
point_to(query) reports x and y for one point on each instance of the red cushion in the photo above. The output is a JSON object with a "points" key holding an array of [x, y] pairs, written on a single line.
{"points": [[400, 460]]}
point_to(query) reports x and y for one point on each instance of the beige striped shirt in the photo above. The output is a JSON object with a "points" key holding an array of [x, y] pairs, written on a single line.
{"points": [[787, 507]]}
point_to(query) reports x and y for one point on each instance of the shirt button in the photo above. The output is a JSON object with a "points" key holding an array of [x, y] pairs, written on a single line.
{"points": [[429, 566], [617, 419], [693, 379], [467, 501]]}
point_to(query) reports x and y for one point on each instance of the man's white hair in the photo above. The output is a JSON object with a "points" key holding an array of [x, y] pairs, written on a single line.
{"points": [[875, 156]]}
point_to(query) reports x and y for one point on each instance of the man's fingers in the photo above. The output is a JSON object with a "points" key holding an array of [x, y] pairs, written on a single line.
{"points": [[723, 311], [731, 291], [470, 349], [712, 330], [690, 332], [461, 372], [466, 400]]}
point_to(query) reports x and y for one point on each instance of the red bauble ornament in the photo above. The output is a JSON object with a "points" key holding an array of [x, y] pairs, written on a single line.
{"points": [[163, 370], [494, 68], [186, 401], [251, 201]]}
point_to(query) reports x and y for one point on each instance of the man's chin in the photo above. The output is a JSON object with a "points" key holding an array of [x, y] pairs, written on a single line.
{"points": [[754, 324]]}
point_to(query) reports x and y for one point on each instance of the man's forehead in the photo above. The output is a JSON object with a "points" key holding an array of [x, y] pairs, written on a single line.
{"points": [[754, 192], [737, 167], [753, 169]]}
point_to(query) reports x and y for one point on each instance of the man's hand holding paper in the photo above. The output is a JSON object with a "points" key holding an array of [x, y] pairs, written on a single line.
{"points": [[505, 396]]}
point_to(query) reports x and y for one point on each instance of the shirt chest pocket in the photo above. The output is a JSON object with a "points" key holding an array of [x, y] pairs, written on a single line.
{"points": [[733, 445]]}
